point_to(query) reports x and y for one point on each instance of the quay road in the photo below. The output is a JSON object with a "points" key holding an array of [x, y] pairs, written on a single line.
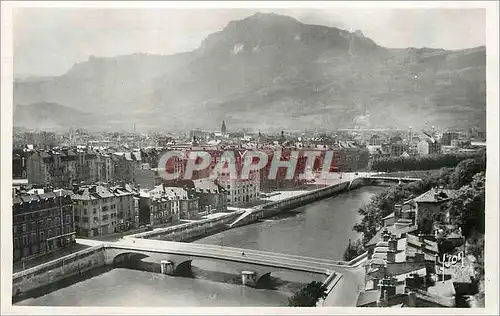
{"points": [[344, 294]]}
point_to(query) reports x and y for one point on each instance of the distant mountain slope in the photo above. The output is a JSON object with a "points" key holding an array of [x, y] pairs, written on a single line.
{"points": [[272, 71], [51, 117]]}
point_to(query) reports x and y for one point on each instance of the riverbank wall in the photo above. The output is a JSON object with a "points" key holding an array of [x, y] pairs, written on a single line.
{"points": [[274, 208], [189, 231], [57, 270]]}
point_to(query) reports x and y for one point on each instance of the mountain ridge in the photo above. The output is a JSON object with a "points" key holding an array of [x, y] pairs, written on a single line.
{"points": [[273, 71]]}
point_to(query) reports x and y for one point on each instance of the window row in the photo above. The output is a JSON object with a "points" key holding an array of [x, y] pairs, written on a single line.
{"points": [[42, 214], [41, 236], [41, 224]]}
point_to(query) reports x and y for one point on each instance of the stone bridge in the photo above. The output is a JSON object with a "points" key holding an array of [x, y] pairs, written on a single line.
{"points": [[174, 258], [392, 179]]}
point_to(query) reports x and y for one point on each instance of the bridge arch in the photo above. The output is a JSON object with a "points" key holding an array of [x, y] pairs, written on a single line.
{"points": [[264, 280], [128, 259], [184, 268]]}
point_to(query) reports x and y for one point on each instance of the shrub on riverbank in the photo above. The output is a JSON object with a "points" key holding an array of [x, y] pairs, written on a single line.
{"points": [[354, 250], [309, 295]]}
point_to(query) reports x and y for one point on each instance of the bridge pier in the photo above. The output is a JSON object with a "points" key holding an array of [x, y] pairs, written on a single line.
{"points": [[167, 267], [248, 278]]}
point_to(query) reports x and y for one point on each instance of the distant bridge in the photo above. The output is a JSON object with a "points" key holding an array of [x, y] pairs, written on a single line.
{"points": [[396, 178]]}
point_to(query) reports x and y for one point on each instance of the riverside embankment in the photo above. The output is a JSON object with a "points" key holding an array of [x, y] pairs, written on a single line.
{"points": [[55, 271], [275, 207], [193, 230]]}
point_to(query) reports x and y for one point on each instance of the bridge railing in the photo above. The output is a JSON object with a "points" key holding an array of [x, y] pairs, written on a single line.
{"points": [[358, 259], [281, 263]]}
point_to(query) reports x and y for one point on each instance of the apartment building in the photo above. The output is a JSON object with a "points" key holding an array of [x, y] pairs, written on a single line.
{"points": [[42, 222], [58, 168], [96, 211], [448, 137], [428, 147], [212, 196], [87, 166], [164, 204], [240, 191], [155, 209], [183, 200], [128, 215], [105, 167]]}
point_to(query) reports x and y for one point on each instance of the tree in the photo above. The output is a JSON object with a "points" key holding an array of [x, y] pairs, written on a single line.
{"points": [[309, 295], [468, 207], [475, 247], [391, 164], [464, 171], [353, 250], [383, 203]]}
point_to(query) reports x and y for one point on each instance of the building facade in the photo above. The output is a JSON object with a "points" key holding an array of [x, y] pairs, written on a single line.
{"points": [[240, 191], [164, 204], [212, 196], [128, 217], [156, 209], [42, 222], [105, 168], [96, 211], [427, 147], [447, 137], [86, 165], [395, 149]]}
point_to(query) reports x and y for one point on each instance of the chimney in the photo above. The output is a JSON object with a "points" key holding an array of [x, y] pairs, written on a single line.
{"points": [[414, 281], [393, 243], [412, 299], [419, 257], [397, 212], [385, 236], [421, 238], [391, 256], [386, 288], [386, 298]]}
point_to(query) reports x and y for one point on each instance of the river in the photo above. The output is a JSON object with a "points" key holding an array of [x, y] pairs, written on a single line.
{"points": [[321, 229]]}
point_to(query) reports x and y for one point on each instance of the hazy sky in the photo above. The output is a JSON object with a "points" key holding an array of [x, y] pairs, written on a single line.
{"points": [[48, 41]]}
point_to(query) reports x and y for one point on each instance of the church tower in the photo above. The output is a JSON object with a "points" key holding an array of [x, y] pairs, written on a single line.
{"points": [[223, 127]]}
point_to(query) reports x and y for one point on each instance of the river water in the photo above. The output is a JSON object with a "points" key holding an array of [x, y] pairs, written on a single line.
{"points": [[321, 229]]}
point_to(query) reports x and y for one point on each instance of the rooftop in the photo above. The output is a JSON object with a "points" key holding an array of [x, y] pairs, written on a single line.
{"points": [[207, 184], [367, 297], [435, 196], [398, 231], [92, 192], [440, 288]]}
